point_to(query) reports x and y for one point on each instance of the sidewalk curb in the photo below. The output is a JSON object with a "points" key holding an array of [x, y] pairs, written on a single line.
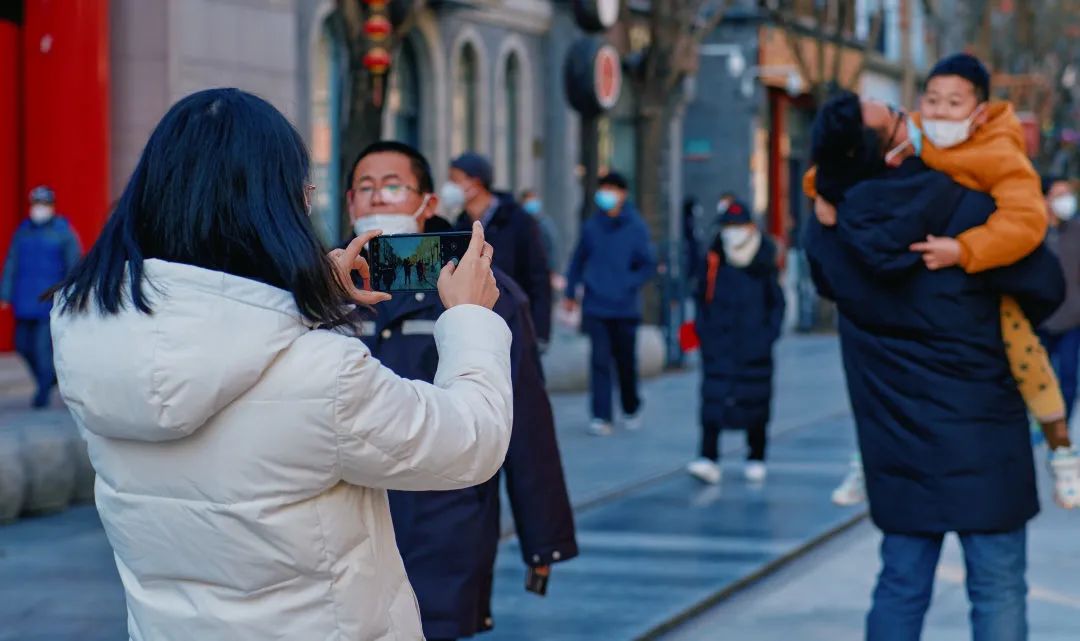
{"points": [[769, 568]]}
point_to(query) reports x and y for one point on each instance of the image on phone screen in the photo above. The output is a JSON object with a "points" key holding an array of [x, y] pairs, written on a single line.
{"points": [[412, 262]]}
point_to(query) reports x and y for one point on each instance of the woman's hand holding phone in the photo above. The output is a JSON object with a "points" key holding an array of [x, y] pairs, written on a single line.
{"points": [[345, 261], [470, 282]]}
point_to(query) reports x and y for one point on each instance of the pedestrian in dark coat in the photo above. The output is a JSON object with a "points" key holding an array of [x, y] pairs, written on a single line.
{"points": [[448, 540], [740, 310], [42, 252], [942, 428], [612, 263], [515, 235]]}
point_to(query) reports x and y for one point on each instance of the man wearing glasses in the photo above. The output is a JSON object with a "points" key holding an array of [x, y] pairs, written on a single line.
{"points": [[448, 539]]}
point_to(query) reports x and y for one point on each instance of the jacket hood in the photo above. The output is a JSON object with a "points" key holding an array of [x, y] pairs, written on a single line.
{"points": [[162, 376]]}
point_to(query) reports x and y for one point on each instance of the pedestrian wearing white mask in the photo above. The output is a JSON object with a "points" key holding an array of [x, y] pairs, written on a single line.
{"points": [[42, 253], [1061, 332], [515, 235], [740, 311]]}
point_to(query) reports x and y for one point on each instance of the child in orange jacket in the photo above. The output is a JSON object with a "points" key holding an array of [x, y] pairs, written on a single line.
{"points": [[979, 144]]}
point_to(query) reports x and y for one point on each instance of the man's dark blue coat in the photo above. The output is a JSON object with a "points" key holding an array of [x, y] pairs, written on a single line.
{"points": [[942, 428]]}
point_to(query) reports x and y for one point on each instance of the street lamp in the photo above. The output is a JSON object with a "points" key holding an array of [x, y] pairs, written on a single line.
{"points": [[737, 68]]}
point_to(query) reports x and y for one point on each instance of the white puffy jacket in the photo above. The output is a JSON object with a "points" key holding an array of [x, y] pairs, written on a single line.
{"points": [[243, 458]]}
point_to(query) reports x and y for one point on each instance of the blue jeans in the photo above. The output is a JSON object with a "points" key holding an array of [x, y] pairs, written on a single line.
{"points": [[33, 341], [1064, 350], [996, 564], [614, 340]]}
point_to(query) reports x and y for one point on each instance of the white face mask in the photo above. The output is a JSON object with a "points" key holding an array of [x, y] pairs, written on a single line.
{"points": [[41, 213], [949, 133], [741, 244], [1064, 207], [391, 224], [452, 197], [735, 237]]}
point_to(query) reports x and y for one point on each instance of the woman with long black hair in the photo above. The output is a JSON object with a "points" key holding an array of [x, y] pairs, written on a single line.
{"points": [[243, 454]]}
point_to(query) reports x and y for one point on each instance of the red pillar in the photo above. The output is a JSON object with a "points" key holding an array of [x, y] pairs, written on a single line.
{"points": [[66, 107], [11, 204]]}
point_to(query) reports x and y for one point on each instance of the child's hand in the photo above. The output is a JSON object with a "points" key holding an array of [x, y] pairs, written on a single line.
{"points": [[938, 253], [825, 212]]}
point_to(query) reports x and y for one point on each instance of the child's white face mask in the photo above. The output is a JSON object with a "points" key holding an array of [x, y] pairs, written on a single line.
{"points": [[950, 133]]}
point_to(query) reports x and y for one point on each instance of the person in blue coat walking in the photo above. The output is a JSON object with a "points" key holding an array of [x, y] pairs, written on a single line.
{"points": [[740, 310], [448, 540], [941, 425], [613, 261], [43, 251]]}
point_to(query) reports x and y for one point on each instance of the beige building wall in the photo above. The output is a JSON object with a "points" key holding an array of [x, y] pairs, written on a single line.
{"points": [[163, 50]]}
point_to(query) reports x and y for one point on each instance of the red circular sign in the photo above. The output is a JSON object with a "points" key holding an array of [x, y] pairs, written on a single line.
{"points": [[607, 77]]}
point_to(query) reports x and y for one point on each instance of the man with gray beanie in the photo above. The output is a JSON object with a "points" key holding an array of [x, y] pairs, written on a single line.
{"points": [[515, 235]]}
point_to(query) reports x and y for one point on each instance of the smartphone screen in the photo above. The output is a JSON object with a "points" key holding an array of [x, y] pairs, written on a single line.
{"points": [[412, 262]]}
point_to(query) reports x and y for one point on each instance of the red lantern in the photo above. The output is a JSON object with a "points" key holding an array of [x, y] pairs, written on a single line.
{"points": [[375, 4], [377, 61], [378, 28]]}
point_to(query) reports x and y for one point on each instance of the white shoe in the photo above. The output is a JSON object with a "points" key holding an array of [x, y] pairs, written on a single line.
{"points": [[598, 427], [755, 471], [1065, 468], [852, 490], [704, 470], [636, 421]]}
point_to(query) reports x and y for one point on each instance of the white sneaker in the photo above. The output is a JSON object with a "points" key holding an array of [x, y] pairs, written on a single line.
{"points": [[852, 490], [755, 471], [1065, 468], [635, 421], [704, 470], [598, 427]]}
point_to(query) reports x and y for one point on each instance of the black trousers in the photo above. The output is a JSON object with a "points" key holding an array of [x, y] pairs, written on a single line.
{"points": [[614, 341], [756, 440]]}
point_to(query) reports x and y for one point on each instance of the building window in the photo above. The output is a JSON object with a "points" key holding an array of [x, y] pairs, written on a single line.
{"points": [[404, 102], [512, 137], [325, 134], [466, 135]]}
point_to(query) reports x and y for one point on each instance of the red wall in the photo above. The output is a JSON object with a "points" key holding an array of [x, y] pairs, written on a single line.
{"points": [[66, 107], [12, 198], [54, 116]]}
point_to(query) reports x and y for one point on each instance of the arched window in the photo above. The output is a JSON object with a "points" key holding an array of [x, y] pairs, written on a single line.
{"points": [[326, 133], [404, 102], [466, 133], [512, 138]]}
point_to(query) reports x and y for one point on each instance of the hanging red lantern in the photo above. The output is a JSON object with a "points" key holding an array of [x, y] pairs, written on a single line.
{"points": [[377, 60], [375, 4], [378, 28]]}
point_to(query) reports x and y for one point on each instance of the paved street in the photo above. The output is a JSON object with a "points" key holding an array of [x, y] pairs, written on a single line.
{"points": [[656, 545], [825, 595]]}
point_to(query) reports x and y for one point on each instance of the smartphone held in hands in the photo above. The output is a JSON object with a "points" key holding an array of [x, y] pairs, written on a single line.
{"points": [[412, 262]]}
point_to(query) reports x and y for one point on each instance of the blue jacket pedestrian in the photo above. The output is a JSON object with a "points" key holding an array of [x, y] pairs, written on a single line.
{"points": [[942, 428], [40, 256], [43, 251], [613, 261]]}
